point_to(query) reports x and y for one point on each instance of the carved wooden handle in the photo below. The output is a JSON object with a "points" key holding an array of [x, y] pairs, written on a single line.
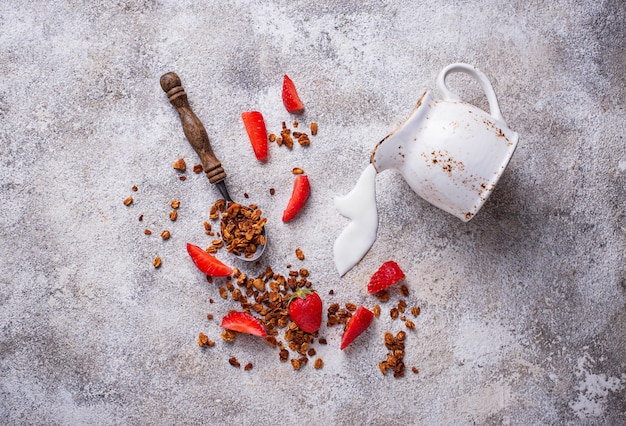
{"points": [[192, 126]]}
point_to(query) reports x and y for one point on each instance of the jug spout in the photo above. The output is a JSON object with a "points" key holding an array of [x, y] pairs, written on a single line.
{"points": [[391, 152]]}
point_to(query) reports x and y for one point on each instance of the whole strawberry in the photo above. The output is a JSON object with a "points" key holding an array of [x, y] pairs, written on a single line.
{"points": [[305, 309]]}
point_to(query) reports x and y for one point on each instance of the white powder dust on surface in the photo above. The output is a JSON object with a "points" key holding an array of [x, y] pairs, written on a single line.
{"points": [[480, 343], [593, 389]]}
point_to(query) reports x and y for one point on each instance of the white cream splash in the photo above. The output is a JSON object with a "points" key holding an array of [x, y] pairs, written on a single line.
{"points": [[359, 205]]}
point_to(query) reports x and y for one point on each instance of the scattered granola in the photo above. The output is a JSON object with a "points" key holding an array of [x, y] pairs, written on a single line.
{"points": [[248, 367], [313, 129], [203, 340], [299, 254], [147, 231], [233, 361], [267, 296], [376, 311], [395, 357], [134, 188], [383, 296], [337, 315], [297, 171], [197, 168], [166, 235], [173, 215], [303, 139], [286, 138], [229, 336], [157, 262], [180, 165], [404, 290], [175, 204], [128, 201]]}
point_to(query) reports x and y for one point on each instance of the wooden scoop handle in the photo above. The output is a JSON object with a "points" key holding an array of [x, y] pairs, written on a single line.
{"points": [[192, 126]]}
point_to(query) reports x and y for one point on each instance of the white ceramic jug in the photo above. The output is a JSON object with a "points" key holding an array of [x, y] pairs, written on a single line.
{"points": [[450, 152]]}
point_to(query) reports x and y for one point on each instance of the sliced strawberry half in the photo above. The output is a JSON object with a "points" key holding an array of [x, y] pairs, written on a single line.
{"points": [[255, 127], [388, 274], [299, 195], [207, 263], [291, 100], [357, 324], [243, 322]]}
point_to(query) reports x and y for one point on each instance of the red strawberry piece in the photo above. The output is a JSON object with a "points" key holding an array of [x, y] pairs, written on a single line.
{"points": [[357, 324], [305, 309], [244, 323], [207, 263], [388, 274], [299, 195], [255, 126], [291, 100]]}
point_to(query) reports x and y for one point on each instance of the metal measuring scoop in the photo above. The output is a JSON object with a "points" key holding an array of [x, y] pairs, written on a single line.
{"points": [[198, 138]]}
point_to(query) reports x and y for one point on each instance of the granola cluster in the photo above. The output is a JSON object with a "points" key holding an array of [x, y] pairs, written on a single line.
{"points": [[267, 297], [395, 357], [338, 315], [395, 344], [287, 137], [241, 228]]}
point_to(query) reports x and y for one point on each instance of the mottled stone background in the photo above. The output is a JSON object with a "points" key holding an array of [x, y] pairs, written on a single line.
{"points": [[523, 309]]}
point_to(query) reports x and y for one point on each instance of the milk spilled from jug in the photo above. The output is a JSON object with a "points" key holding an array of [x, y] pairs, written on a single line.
{"points": [[359, 205]]}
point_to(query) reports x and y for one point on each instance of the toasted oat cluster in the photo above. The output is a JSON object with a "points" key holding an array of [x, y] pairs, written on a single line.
{"points": [[338, 315], [395, 357], [241, 227], [395, 344], [287, 137], [267, 297]]}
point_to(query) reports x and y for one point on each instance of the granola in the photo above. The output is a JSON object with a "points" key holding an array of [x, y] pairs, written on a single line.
{"points": [[242, 228]]}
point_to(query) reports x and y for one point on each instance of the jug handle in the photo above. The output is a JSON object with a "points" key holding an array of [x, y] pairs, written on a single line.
{"points": [[494, 108]]}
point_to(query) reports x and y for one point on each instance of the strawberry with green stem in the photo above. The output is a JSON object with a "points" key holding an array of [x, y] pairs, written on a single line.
{"points": [[305, 309]]}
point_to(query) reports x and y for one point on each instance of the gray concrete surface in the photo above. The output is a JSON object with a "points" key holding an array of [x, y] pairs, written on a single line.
{"points": [[523, 309]]}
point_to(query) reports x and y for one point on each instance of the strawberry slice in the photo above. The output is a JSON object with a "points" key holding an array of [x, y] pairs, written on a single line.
{"points": [[207, 263], [388, 274], [357, 324], [305, 309], [291, 100], [299, 195], [244, 323], [255, 126]]}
